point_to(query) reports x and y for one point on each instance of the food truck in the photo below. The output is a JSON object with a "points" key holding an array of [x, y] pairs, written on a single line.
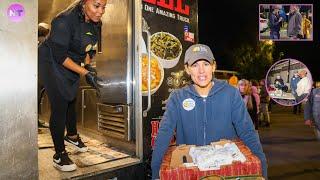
{"points": [[140, 59]]}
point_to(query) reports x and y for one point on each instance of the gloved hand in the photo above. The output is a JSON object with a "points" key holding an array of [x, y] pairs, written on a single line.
{"points": [[90, 68], [92, 79]]}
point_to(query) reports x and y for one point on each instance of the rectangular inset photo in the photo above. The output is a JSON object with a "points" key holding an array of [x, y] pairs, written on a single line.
{"points": [[286, 22]]}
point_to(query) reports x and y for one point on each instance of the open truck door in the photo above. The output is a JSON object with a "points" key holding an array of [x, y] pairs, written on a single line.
{"points": [[140, 59]]}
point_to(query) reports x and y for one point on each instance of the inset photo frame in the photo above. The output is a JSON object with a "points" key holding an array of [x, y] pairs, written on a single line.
{"points": [[289, 82], [286, 22]]}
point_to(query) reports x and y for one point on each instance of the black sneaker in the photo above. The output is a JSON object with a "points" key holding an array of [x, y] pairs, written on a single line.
{"points": [[62, 162], [77, 143]]}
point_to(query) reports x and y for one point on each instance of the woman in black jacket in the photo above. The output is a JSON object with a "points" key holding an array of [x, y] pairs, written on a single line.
{"points": [[72, 41]]}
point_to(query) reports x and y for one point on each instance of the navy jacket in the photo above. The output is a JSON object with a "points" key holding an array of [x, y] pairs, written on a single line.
{"points": [[273, 23], [293, 83], [312, 107], [200, 121]]}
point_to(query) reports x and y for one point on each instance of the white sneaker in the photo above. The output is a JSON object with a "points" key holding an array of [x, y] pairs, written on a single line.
{"points": [[62, 162], [77, 143]]}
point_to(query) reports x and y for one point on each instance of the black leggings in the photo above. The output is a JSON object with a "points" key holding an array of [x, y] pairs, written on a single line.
{"points": [[63, 112], [62, 115]]}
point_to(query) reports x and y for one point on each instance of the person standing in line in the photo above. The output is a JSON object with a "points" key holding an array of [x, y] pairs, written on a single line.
{"points": [[312, 110], [275, 23], [304, 86], [249, 100], [264, 103], [294, 29], [306, 26], [254, 88], [293, 85]]}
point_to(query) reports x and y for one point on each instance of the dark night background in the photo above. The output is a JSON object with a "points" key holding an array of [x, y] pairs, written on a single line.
{"points": [[225, 25]]}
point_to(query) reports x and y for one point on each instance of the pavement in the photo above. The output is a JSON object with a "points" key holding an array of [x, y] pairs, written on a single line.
{"points": [[291, 148], [283, 35]]}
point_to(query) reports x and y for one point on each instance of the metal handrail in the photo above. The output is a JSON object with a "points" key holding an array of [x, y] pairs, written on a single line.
{"points": [[145, 29]]}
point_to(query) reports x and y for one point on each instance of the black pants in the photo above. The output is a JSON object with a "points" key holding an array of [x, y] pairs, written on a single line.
{"points": [[301, 97], [254, 118], [41, 91], [297, 108], [63, 112]]}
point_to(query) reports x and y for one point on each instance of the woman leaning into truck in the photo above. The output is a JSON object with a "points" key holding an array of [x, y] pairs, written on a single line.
{"points": [[72, 41]]}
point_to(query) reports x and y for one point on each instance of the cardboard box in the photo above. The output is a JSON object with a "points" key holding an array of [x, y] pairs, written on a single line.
{"points": [[179, 155], [222, 142], [251, 167]]}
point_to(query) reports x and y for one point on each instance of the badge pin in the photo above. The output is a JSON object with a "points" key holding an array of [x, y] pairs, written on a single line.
{"points": [[188, 104], [88, 48]]}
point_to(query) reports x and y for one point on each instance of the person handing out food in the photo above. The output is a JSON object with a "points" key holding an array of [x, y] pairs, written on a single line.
{"points": [[207, 110]]}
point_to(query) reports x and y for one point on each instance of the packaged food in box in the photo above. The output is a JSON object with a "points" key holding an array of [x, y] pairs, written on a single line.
{"points": [[177, 171]]}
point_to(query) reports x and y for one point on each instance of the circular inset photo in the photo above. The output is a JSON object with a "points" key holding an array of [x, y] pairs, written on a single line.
{"points": [[157, 74], [288, 82], [167, 48]]}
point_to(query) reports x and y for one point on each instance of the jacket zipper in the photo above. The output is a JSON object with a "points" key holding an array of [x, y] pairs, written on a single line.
{"points": [[205, 122]]}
